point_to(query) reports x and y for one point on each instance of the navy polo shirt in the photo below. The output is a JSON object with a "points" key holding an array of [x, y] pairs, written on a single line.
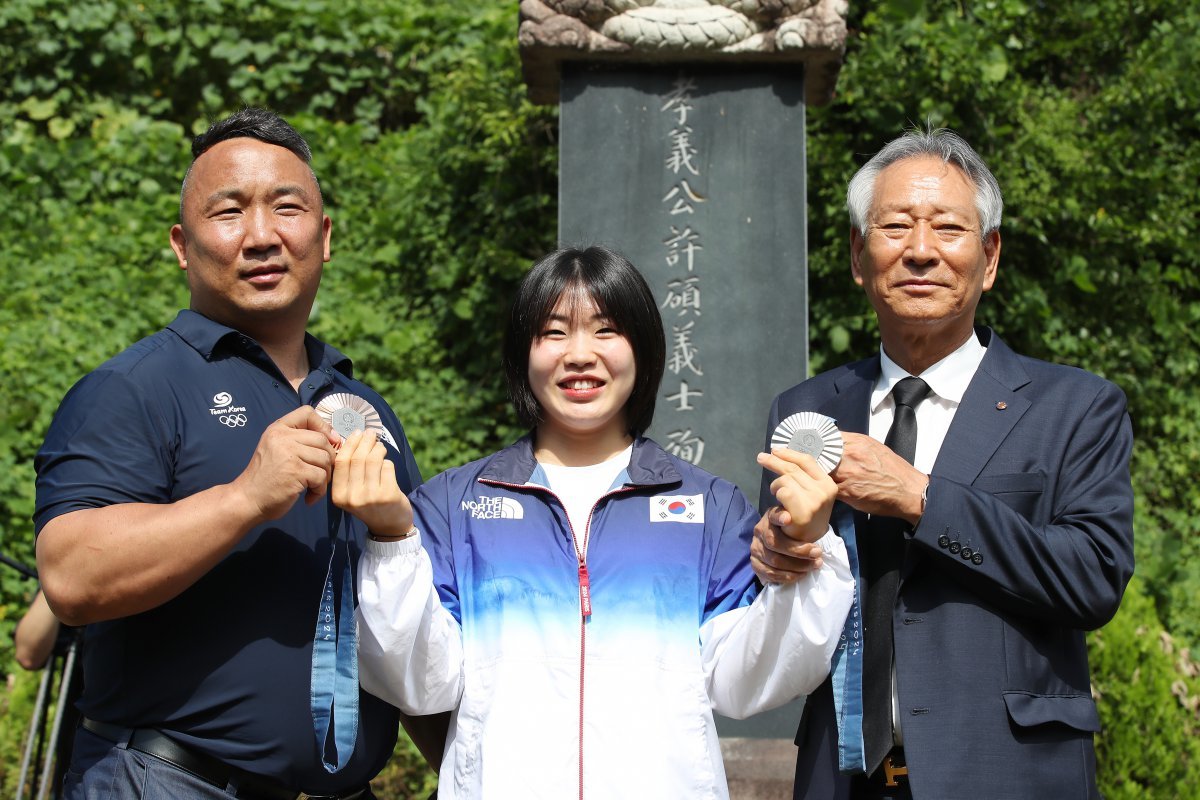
{"points": [[225, 666]]}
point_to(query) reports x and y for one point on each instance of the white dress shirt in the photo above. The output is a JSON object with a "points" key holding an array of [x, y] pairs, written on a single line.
{"points": [[948, 380]]}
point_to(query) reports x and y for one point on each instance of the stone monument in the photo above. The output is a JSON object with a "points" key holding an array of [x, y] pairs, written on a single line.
{"points": [[682, 146]]}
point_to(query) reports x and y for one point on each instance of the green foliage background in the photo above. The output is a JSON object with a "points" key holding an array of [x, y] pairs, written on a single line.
{"points": [[440, 177]]}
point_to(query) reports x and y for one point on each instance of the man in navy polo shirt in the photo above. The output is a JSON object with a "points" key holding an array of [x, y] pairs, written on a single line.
{"points": [[182, 513]]}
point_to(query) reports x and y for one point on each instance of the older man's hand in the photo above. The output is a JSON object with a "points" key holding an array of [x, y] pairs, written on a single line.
{"points": [[874, 479], [776, 557]]}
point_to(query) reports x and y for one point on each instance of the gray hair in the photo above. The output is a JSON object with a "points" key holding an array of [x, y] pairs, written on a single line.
{"points": [[940, 143]]}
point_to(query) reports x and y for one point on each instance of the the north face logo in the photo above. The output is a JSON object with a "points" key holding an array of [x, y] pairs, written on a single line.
{"points": [[494, 508]]}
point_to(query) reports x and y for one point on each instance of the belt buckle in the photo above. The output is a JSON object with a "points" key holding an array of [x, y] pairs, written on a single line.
{"points": [[352, 796], [891, 771]]}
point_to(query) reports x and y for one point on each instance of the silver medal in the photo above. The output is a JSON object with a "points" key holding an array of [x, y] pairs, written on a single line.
{"points": [[814, 434], [348, 413]]}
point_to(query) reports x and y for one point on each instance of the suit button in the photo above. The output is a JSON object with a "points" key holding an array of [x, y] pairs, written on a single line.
{"points": [[967, 553], [943, 541], [955, 547], [977, 559]]}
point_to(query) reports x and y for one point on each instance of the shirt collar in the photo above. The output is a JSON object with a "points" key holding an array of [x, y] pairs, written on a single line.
{"points": [[207, 337], [947, 379]]}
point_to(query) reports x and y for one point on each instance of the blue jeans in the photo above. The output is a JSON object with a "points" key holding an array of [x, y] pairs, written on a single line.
{"points": [[104, 770]]}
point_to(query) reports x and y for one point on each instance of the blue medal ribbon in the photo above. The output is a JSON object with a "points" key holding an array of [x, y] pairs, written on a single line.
{"points": [[848, 658], [334, 687]]}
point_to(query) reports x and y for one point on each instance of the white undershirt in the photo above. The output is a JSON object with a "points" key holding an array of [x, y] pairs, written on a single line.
{"points": [[580, 487]]}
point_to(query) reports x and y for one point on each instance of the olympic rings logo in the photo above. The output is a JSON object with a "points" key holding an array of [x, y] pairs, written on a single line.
{"points": [[233, 420]]}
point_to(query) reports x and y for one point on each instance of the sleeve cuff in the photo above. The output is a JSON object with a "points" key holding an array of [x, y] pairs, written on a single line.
{"points": [[826, 540], [400, 547]]}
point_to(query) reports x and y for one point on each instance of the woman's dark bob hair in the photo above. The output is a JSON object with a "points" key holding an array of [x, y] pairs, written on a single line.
{"points": [[620, 294]]}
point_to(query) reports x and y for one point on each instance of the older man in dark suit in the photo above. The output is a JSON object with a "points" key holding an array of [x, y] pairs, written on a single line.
{"points": [[987, 498]]}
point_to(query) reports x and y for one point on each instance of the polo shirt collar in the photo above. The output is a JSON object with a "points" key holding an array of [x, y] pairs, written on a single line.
{"points": [[207, 338]]}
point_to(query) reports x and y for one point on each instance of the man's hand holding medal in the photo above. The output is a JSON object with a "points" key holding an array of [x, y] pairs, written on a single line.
{"points": [[294, 456]]}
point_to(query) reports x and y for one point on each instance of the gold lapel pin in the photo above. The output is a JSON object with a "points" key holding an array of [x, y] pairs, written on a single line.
{"points": [[1001, 405]]}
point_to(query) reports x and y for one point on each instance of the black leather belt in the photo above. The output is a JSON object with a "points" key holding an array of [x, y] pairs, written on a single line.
{"points": [[205, 767]]}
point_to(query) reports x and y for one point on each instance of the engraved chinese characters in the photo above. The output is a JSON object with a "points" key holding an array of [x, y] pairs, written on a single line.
{"points": [[682, 248]]}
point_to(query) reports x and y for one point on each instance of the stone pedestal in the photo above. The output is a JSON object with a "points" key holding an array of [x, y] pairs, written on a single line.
{"points": [[759, 769]]}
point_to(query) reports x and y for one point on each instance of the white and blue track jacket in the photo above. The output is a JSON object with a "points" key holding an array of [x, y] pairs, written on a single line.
{"points": [[485, 612]]}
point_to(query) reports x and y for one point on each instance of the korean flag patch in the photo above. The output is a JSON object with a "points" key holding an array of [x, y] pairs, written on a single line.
{"points": [[677, 508]]}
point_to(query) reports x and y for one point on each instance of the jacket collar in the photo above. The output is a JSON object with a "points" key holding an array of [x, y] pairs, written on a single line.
{"points": [[850, 405], [990, 408], [649, 465]]}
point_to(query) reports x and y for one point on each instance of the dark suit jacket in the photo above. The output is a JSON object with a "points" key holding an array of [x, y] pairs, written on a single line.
{"points": [[1033, 483]]}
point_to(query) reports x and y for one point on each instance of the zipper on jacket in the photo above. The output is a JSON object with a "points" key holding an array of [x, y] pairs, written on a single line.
{"points": [[585, 604], [585, 590], [585, 584], [583, 618]]}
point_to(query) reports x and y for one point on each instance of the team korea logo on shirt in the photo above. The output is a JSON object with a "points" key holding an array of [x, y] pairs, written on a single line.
{"points": [[226, 412], [677, 508]]}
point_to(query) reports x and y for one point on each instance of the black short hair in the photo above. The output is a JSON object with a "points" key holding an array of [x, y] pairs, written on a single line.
{"points": [[253, 123], [619, 292], [250, 123]]}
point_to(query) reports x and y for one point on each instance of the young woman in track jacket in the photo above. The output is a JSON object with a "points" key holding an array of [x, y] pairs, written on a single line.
{"points": [[582, 600]]}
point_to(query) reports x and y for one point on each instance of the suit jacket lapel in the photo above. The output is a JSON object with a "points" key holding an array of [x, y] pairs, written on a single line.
{"points": [[851, 406], [989, 410]]}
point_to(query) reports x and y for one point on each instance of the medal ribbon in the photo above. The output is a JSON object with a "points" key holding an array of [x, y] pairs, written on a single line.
{"points": [[848, 658], [334, 687]]}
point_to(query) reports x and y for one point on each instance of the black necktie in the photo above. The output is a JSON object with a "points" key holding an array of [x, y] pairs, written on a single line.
{"points": [[882, 551]]}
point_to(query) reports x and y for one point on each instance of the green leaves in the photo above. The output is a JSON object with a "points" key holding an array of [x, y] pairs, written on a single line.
{"points": [[1147, 693], [38, 109], [993, 64]]}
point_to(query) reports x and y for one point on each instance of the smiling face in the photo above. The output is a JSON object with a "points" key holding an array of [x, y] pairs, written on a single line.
{"points": [[922, 261], [582, 371], [253, 237]]}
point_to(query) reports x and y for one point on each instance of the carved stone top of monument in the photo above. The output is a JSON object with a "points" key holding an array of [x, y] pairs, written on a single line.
{"points": [[812, 32]]}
